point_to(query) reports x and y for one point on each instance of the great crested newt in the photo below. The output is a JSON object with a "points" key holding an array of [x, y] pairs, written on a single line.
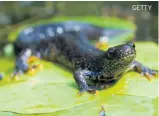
{"points": [[72, 49]]}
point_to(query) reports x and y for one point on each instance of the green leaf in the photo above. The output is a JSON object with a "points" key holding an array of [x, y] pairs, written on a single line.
{"points": [[53, 92]]}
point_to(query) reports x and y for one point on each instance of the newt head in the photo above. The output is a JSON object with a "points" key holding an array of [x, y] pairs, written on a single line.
{"points": [[118, 58]]}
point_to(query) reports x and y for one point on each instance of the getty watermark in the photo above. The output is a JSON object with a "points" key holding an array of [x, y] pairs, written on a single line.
{"points": [[141, 7]]}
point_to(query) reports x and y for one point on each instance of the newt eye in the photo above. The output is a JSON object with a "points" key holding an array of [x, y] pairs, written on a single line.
{"points": [[131, 44], [110, 52]]}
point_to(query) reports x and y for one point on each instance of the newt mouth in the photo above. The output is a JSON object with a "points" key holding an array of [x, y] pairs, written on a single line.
{"points": [[126, 52], [128, 56]]}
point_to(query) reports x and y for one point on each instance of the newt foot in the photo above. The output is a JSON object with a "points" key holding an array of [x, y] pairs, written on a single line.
{"points": [[32, 59]]}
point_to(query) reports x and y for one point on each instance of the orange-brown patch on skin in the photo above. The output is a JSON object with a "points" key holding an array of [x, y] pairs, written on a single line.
{"points": [[32, 59], [96, 92], [149, 77], [33, 68]]}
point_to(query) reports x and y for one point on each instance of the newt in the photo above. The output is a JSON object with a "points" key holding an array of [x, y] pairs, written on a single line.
{"points": [[93, 69]]}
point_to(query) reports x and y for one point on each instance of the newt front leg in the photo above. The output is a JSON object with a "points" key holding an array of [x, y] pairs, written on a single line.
{"points": [[81, 77], [147, 72]]}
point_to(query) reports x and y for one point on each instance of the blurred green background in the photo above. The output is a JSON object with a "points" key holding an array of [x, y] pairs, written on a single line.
{"points": [[14, 13], [56, 94]]}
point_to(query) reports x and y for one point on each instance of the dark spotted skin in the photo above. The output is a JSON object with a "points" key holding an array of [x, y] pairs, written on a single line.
{"points": [[93, 69]]}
